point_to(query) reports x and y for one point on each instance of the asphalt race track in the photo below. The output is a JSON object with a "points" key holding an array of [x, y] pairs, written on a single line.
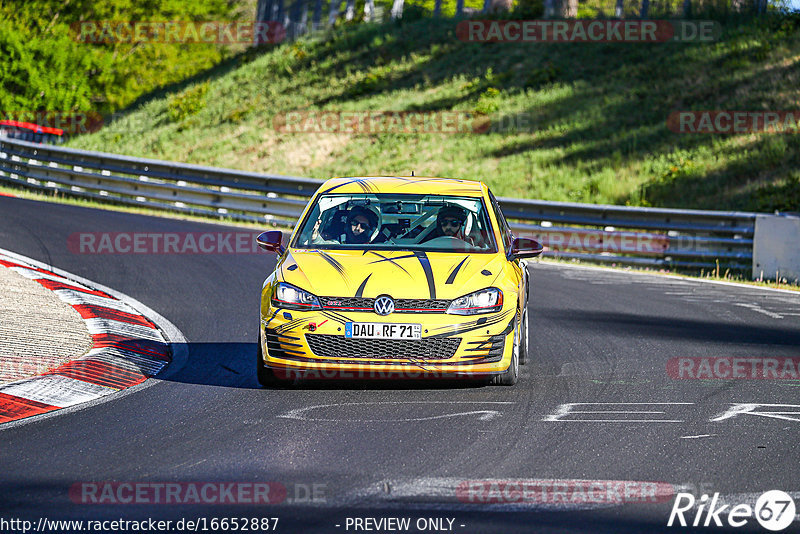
{"points": [[430, 451]]}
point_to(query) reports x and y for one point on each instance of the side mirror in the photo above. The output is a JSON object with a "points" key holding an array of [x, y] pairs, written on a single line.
{"points": [[272, 241], [522, 247]]}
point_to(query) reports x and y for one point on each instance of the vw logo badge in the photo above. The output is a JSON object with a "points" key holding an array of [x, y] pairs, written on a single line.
{"points": [[384, 305]]}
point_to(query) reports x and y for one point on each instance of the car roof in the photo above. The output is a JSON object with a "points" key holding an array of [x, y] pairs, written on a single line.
{"points": [[404, 184]]}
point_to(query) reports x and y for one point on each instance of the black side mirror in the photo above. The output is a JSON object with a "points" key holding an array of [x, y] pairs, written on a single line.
{"points": [[522, 247], [272, 241]]}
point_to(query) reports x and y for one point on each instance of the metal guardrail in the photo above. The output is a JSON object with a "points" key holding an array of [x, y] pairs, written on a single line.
{"points": [[654, 237]]}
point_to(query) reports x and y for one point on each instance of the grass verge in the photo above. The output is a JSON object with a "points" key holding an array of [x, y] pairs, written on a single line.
{"points": [[584, 122]]}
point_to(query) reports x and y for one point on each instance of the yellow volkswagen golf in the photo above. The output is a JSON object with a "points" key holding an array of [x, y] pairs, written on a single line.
{"points": [[393, 277]]}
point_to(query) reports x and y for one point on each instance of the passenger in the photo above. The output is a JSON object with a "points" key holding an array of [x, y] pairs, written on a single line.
{"points": [[361, 223]]}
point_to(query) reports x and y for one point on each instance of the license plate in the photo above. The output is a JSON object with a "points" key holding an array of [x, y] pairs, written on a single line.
{"points": [[383, 330]]}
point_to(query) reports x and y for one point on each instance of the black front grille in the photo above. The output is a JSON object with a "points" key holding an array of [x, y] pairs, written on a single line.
{"points": [[328, 346], [347, 303], [421, 304], [400, 305]]}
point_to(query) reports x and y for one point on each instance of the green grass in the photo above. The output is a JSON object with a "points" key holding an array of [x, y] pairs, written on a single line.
{"points": [[596, 112]]}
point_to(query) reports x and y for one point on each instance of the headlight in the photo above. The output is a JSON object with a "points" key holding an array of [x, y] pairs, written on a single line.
{"points": [[288, 296], [484, 301]]}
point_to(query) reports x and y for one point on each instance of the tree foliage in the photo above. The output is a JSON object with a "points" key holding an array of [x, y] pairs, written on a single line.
{"points": [[45, 67]]}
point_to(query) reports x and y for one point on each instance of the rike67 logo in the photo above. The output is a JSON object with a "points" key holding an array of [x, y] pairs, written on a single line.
{"points": [[774, 510]]}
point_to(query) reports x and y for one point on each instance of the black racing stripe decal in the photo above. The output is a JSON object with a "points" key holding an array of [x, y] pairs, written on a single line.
{"points": [[335, 264], [470, 323], [360, 291], [454, 272], [391, 260], [359, 181], [284, 336], [337, 317], [426, 266], [479, 346], [384, 258], [288, 326], [482, 321], [421, 180], [469, 328], [273, 316]]}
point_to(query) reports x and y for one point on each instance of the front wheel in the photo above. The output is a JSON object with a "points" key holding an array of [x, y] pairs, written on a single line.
{"points": [[509, 376]]}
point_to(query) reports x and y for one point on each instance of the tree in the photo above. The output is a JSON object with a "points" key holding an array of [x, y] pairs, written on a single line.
{"points": [[397, 9], [333, 13]]}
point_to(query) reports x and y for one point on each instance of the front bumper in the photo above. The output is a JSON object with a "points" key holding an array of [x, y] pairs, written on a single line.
{"points": [[451, 345]]}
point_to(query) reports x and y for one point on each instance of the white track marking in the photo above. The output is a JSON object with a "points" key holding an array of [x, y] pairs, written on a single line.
{"points": [[300, 414], [36, 275], [98, 325], [698, 436], [759, 309], [56, 390], [77, 297], [125, 359], [749, 409], [566, 409]]}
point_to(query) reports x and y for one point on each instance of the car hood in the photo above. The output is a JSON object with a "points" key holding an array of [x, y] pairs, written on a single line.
{"points": [[398, 273]]}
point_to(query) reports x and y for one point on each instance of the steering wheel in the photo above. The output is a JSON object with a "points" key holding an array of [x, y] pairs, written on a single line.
{"points": [[447, 241]]}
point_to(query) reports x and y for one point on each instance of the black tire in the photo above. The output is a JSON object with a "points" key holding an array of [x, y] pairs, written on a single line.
{"points": [[524, 349], [509, 376]]}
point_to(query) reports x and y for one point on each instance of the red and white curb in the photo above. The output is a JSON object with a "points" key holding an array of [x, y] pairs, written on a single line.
{"points": [[129, 345]]}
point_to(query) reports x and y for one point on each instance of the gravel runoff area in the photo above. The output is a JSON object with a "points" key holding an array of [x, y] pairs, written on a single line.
{"points": [[38, 331]]}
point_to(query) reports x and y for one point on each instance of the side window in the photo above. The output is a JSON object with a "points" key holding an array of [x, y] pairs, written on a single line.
{"points": [[505, 230]]}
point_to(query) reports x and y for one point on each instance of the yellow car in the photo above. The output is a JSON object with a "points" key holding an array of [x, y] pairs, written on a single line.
{"points": [[391, 277]]}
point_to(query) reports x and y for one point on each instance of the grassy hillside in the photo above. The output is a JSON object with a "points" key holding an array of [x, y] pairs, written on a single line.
{"points": [[596, 114]]}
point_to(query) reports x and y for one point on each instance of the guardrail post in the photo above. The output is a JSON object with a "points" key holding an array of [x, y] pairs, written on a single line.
{"points": [[776, 247]]}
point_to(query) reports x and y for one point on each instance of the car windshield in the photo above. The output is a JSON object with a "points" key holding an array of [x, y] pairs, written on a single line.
{"points": [[432, 223]]}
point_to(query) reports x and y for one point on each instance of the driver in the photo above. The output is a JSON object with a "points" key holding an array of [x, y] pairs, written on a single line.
{"points": [[449, 223]]}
